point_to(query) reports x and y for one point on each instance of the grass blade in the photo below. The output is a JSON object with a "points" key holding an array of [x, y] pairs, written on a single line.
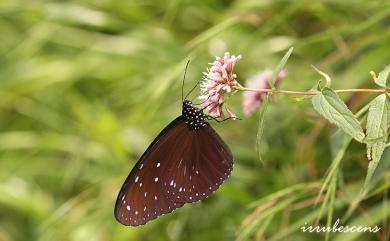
{"points": [[260, 130], [280, 67]]}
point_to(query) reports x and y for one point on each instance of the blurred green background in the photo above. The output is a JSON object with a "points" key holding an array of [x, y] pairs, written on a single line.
{"points": [[85, 86]]}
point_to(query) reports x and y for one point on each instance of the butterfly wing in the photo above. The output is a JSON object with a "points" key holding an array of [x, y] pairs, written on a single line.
{"points": [[142, 196], [181, 165], [201, 169]]}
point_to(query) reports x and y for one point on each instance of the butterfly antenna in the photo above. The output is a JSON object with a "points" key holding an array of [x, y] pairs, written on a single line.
{"points": [[193, 89], [184, 77]]}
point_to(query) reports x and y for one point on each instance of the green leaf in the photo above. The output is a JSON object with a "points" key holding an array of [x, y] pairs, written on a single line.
{"points": [[388, 111], [330, 106], [280, 67], [383, 77], [377, 122], [260, 130], [328, 81]]}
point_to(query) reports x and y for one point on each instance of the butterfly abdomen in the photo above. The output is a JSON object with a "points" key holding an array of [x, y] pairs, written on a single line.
{"points": [[193, 116]]}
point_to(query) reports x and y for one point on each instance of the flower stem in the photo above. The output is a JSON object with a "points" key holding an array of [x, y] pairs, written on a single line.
{"points": [[308, 93]]}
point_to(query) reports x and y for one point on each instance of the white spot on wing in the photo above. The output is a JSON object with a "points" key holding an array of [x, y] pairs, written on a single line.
{"points": [[128, 208], [156, 179], [136, 179], [158, 164]]}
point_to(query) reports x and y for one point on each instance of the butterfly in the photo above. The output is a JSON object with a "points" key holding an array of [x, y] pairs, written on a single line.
{"points": [[185, 163]]}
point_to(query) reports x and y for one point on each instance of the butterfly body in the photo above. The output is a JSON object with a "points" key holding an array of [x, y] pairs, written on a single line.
{"points": [[193, 116], [185, 163]]}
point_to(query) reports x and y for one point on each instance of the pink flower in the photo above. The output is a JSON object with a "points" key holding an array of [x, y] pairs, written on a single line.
{"points": [[252, 100], [218, 80]]}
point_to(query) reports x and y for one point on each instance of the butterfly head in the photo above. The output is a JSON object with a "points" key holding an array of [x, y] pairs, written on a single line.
{"points": [[193, 116]]}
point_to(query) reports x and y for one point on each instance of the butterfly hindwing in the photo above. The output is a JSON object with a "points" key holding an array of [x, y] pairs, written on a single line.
{"points": [[202, 168]]}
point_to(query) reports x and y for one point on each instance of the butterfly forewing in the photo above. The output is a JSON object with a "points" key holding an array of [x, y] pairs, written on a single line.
{"points": [[201, 169], [142, 196]]}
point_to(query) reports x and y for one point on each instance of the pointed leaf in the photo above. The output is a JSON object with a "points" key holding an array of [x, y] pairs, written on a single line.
{"points": [[279, 68], [388, 111], [330, 106], [377, 122], [328, 81], [260, 130], [383, 77]]}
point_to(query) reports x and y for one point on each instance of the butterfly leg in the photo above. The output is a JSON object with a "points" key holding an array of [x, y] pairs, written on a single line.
{"points": [[219, 121]]}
